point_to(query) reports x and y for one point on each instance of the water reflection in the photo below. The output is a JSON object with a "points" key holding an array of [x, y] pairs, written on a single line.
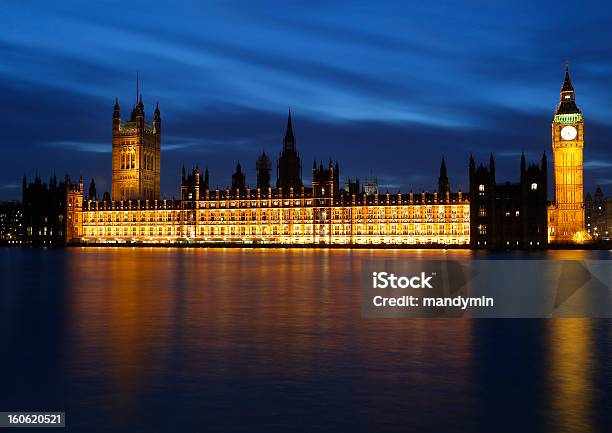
{"points": [[571, 362], [273, 340]]}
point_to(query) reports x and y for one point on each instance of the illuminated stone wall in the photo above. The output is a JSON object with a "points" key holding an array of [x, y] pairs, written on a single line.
{"points": [[566, 214], [252, 217], [136, 156]]}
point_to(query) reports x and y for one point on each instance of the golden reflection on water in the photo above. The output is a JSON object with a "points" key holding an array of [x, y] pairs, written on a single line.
{"points": [[143, 315], [571, 370], [572, 359], [281, 313], [122, 327]]}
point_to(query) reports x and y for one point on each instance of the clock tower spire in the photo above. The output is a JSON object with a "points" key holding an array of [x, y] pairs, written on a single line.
{"points": [[567, 97], [566, 213]]}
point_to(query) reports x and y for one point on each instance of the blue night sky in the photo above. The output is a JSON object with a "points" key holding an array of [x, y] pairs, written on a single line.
{"points": [[386, 88]]}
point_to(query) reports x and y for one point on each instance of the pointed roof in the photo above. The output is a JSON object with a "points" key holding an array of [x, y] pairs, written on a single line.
{"points": [[567, 99], [289, 141], [289, 125], [443, 168], [263, 162], [567, 83]]}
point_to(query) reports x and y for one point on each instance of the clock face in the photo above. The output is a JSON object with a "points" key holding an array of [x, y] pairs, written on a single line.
{"points": [[568, 133]]}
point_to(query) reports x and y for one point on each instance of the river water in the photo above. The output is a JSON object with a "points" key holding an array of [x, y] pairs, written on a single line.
{"points": [[272, 340]]}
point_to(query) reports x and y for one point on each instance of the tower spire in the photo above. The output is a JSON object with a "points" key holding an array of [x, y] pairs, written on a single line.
{"points": [[289, 124], [567, 83], [137, 88], [567, 98], [443, 186], [289, 142]]}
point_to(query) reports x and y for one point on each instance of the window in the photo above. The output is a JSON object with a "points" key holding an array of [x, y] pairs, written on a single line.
{"points": [[482, 211], [481, 188], [482, 229], [534, 186]]}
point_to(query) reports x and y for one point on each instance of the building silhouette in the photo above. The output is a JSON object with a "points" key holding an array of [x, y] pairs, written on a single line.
{"points": [[289, 167], [238, 179], [598, 215], [325, 180], [44, 211], [508, 215], [193, 184], [263, 166], [443, 186]]}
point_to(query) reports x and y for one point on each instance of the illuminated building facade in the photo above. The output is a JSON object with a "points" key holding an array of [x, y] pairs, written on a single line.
{"points": [[136, 154], [271, 217], [566, 213], [11, 223], [495, 216], [288, 214]]}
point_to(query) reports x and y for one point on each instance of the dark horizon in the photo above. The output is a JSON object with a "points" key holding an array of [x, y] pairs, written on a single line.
{"points": [[386, 91]]}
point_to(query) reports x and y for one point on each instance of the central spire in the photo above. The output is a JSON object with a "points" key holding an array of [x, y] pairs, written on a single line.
{"points": [[289, 142]]}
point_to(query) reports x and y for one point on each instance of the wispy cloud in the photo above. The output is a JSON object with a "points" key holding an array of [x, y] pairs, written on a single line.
{"points": [[82, 146], [10, 186], [597, 164], [383, 86]]}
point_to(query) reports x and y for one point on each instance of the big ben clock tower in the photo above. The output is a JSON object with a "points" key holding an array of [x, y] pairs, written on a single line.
{"points": [[566, 214]]}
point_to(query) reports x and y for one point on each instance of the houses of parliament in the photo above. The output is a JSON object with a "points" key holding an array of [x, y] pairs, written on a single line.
{"points": [[289, 212]]}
